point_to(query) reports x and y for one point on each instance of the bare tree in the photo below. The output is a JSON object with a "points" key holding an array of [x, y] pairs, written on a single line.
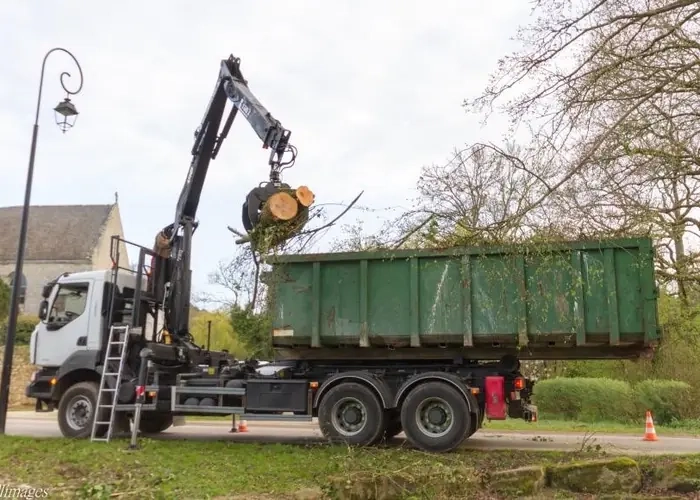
{"points": [[356, 239], [238, 276], [610, 91], [479, 196]]}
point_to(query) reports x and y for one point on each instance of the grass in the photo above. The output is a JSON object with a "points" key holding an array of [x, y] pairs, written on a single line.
{"points": [[191, 469], [188, 469]]}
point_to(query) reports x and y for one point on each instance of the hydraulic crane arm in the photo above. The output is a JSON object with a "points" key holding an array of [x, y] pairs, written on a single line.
{"points": [[174, 242], [232, 86]]}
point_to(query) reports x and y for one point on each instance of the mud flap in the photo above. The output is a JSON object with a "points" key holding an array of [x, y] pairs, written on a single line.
{"points": [[530, 413]]}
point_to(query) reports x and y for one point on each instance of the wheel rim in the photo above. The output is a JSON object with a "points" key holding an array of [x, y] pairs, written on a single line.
{"points": [[434, 417], [79, 412], [349, 416]]}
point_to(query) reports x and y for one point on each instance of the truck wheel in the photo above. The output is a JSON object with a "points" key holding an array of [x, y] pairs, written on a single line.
{"points": [[76, 411], [351, 413], [154, 423], [435, 417]]}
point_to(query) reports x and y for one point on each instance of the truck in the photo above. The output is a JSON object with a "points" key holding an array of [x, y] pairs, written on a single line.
{"points": [[370, 344]]}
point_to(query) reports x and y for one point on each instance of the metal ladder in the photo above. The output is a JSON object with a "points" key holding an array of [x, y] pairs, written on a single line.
{"points": [[119, 338]]}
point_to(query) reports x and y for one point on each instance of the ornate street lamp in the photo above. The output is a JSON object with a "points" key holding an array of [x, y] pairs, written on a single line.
{"points": [[67, 110]]}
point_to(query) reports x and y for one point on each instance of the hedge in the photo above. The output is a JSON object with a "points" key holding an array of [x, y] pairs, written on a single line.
{"points": [[604, 399], [25, 327], [668, 400], [585, 399]]}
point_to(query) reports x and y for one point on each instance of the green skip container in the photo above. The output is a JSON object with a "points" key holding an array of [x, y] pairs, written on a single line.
{"points": [[574, 300]]}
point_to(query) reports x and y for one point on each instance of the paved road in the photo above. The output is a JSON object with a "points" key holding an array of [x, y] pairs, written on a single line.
{"points": [[44, 425]]}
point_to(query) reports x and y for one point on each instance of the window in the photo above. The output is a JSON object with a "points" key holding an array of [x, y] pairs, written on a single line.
{"points": [[70, 303], [23, 286]]}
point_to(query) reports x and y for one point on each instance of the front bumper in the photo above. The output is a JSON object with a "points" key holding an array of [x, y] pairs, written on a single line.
{"points": [[41, 389]]}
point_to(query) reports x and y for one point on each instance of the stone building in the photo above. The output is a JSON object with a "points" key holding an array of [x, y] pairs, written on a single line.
{"points": [[60, 238]]}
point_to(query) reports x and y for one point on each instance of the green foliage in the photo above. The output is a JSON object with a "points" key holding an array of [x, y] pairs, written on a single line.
{"points": [[5, 295], [666, 399], [586, 399], [25, 326], [222, 334], [589, 399], [254, 331]]}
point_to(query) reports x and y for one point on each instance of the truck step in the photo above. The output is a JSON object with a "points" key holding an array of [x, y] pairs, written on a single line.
{"points": [[103, 422], [114, 358]]}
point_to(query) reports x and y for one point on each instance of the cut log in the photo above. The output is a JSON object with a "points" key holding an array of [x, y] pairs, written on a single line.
{"points": [[279, 207], [304, 196], [282, 217]]}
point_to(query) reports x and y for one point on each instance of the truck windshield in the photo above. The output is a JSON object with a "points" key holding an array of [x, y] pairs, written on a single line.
{"points": [[70, 302]]}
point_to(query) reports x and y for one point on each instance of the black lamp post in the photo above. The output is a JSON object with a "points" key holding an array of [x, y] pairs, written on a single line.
{"points": [[66, 114]]}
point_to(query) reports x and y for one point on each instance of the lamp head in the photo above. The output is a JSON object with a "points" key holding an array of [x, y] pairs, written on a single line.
{"points": [[66, 114]]}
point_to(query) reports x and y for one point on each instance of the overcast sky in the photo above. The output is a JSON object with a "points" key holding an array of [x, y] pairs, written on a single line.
{"points": [[371, 91]]}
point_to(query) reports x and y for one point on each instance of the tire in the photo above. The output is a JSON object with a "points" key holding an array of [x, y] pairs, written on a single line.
{"points": [[153, 423], [451, 407], [76, 411], [340, 407]]}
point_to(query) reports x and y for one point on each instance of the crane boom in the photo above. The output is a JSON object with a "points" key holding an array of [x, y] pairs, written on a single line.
{"points": [[174, 242], [232, 86]]}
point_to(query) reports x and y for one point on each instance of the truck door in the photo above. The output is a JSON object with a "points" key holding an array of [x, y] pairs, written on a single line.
{"points": [[67, 323]]}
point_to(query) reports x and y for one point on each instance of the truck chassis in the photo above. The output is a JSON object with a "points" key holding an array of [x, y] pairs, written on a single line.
{"points": [[436, 403]]}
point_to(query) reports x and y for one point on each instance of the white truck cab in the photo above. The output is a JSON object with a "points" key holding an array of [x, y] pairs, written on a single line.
{"points": [[73, 316], [68, 343]]}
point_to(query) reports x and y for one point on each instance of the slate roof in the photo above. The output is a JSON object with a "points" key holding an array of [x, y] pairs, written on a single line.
{"points": [[54, 232]]}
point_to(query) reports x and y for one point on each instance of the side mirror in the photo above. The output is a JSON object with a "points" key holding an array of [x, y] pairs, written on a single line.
{"points": [[43, 309], [46, 291]]}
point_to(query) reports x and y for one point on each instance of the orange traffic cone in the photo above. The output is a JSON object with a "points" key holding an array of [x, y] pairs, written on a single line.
{"points": [[243, 427], [650, 433]]}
